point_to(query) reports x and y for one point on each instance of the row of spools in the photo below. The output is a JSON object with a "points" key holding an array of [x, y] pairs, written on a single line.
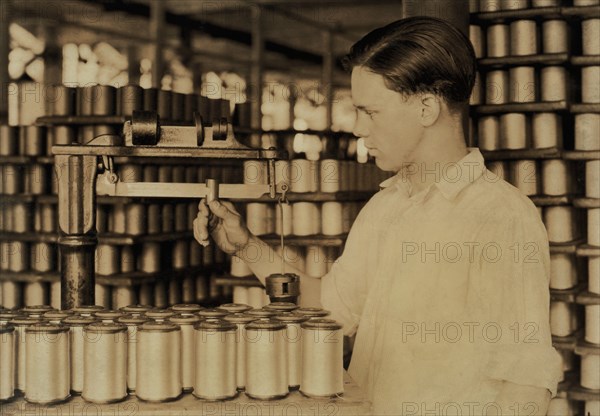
{"points": [[487, 6], [159, 354]]}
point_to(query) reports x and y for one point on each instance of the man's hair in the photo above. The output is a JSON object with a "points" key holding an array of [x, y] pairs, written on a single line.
{"points": [[419, 55]]}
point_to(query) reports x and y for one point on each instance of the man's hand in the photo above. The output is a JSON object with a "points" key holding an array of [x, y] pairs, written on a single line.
{"points": [[221, 220]]}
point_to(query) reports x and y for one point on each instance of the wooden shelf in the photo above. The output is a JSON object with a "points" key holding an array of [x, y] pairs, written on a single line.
{"points": [[586, 348], [540, 107], [581, 154], [136, 278], [313, 240], [580, 108], [579, 393], [17, 198], [586, 250], [566, 295], [80, 120], [550, 201], [529, 13], [352, 402], [29, 237], [504, 61], [565, 248], [127, 240], [16, 160], [29, 276], [585, 60], [582, 11], [228, 280], [588, 298], [586, 203], [565, 343], [517, 154]]}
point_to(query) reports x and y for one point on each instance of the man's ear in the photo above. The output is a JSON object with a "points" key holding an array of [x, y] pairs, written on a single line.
{"points": [[430, 107]]}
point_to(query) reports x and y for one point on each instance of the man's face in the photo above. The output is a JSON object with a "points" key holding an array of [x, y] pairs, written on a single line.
{"points": [[387, 121]]}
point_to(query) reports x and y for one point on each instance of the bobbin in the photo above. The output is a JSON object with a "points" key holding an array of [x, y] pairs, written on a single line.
{"points": [[132, 322], [136, 310], [313, 312], [102, 295], [266, 360], [159, 315], [235, 307], [129, 99], [293, 338], [212, 313], [108, 316], [587, 131], [35, 293], [498, 40], [36, 311], [105, 362], [281, 307], [47, 363], [56, 317], [87, 310], [188, 353], [256, 297], [186, 308], [7, 362], [21, 323], [158, 372], [76, 324], [240, 320], [546, 130]]}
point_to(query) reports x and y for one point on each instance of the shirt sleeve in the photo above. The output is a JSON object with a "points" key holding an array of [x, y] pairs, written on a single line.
{"points": [[513, 279], [344, 287]]}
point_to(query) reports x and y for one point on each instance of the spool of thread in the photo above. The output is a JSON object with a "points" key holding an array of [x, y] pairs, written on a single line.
{"points": [[18, 260], [107, 259], [524, 176], [545, 3], [594, 274], [547, 130], [266, 360], [330, 175], [489, 133], [590, 29], [555, 38], [316, 261], [513, 131], [11, 179], [476, 38], [135, 219], [164, 104], [322, 358], [497, 87], [592, 179], [147, 294], [587, 131], [256, 217], [514, 4], [590, 84], [255, 172], [235, 307], [592, 324], [306, 218], [36, 293], [562, 319], [188, 354], [523, 38], [132, 323], [262, 313], [293, 339], [76, 325], [135, 310], [129, 99], [104, 362], [585, 3], [159, 315], [522, 84], [47, 363], [186, 308], [281, 307], [489, 5], [287, 220], [556, 177], [240, 320], [36, 179], [301, 177], [313, 312], [102, 295], [592, 407], [283, 172], [174, 292], [498, 40], [560, 405], [563, 274], [554, 83], [36, 311], [239, 268], [149, 260], [560, 224], [20, 324], [215, 360], [150, 99], [240, 294], [158, 375], [181, 217], [154, 218], [55, 294], [331, 219], [7, 362], [49, 216], [590, 371], [168, 221], [212, 313], [56, 317], [10, 140], [117, 222], [128, 260], [256, 297], [181, 254], [593, 236], [21, 217], [32, 140], [123, 296], [293, 256]]}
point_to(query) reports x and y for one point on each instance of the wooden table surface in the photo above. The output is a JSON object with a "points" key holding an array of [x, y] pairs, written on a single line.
{"points": [[353, 402]]}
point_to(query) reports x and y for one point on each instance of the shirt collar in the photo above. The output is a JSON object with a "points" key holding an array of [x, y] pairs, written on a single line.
{"points": [[453, 177]]}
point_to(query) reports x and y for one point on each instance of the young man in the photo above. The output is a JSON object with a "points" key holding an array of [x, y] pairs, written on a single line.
{"points": [[444, 275]]}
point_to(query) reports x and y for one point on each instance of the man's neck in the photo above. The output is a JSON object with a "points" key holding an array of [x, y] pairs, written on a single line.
{"points": [[439, 149]]}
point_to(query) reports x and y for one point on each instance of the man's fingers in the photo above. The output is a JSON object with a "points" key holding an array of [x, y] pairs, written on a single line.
{"points": [[219, 209]]}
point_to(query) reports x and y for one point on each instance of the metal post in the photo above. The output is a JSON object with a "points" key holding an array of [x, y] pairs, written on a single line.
{"points": [[327, 75], [77, 240], [157, 24], [256, 73], [5, 18]]}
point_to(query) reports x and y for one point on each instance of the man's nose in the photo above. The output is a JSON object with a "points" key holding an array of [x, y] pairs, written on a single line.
{"points": [[360, 128]]}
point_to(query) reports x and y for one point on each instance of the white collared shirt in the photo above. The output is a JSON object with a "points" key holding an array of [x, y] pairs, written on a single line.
{"points": [[449, 291]]}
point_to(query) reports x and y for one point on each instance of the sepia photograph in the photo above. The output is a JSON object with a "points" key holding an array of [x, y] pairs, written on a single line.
{"points": [[300, 207]]}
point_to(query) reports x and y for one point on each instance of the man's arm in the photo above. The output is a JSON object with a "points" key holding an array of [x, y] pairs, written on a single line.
{"points": [[517, 399]]}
